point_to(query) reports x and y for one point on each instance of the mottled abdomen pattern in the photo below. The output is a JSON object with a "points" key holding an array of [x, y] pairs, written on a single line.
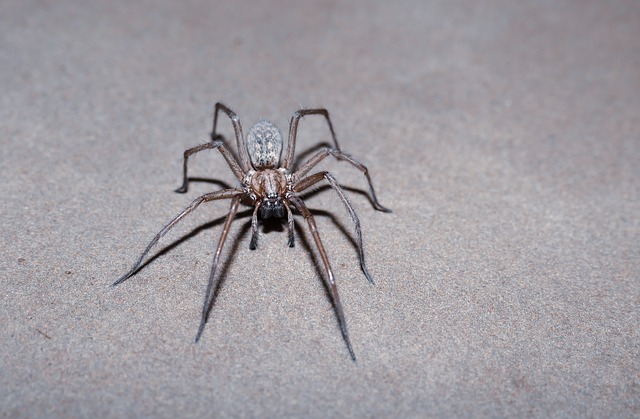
{"points": [[264, 143]]}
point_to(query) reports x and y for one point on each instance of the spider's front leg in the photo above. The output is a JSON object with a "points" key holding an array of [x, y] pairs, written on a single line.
{"points": [[223, 194], [331, 281], [317, 177], [212, 285]]}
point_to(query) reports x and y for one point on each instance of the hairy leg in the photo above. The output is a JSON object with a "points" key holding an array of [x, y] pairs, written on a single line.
{"points": [[293, 132], [237, 128], [317, 177], [313, 161], [223, 194], [219, 145], [331, 282], [213, 283]]}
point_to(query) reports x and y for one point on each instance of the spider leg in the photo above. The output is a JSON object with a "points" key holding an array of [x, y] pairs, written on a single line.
{"points": [[213, 284], [290, 224], [331, 285], [231, 161], [313, 161], [223, 194], [293, 131], [317, 177], [237, 128], [254, 228]]}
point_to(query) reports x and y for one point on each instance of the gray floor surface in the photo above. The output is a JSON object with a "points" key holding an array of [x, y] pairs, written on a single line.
{"points": [[504, 135]]}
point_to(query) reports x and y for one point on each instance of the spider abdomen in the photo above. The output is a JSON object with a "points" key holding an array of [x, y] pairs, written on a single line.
{"points": [[264, 144]]}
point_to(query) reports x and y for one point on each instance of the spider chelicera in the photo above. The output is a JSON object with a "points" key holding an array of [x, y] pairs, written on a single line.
{"points": [[273, 190]]}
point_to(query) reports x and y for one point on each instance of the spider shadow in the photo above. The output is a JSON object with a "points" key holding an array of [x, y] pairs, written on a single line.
{"points": [[221, 276], [313, 192], [272, 225], [197, 179], [313, 253], [268, 225], [193, 233]]}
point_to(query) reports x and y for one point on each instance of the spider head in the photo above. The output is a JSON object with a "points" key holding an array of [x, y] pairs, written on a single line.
{"points": [[272, 206]]}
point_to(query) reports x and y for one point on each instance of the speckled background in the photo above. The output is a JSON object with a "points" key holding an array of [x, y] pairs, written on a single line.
{"points": [[504, 135]]}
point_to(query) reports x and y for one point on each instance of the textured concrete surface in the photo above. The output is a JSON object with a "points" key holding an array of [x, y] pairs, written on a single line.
{"points": [[504, 135]]}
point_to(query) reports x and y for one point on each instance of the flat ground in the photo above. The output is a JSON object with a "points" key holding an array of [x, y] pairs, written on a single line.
{"points": [[504, 135]]}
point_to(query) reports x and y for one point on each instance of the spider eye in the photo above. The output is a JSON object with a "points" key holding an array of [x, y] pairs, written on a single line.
{"points": [[264, 143]]}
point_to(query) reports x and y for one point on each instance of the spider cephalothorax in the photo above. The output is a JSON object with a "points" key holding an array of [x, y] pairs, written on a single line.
{"points": [[273, 190]]}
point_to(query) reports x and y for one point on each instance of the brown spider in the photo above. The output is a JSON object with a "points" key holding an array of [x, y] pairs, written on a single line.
{"points": [[273, 191]]}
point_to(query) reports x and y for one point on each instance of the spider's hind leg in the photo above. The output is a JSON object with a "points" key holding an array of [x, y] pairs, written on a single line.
{"points": [[293, 132], [218, 144]]}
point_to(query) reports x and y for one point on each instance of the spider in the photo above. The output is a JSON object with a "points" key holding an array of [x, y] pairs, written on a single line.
{"points": [[273, 190]]}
